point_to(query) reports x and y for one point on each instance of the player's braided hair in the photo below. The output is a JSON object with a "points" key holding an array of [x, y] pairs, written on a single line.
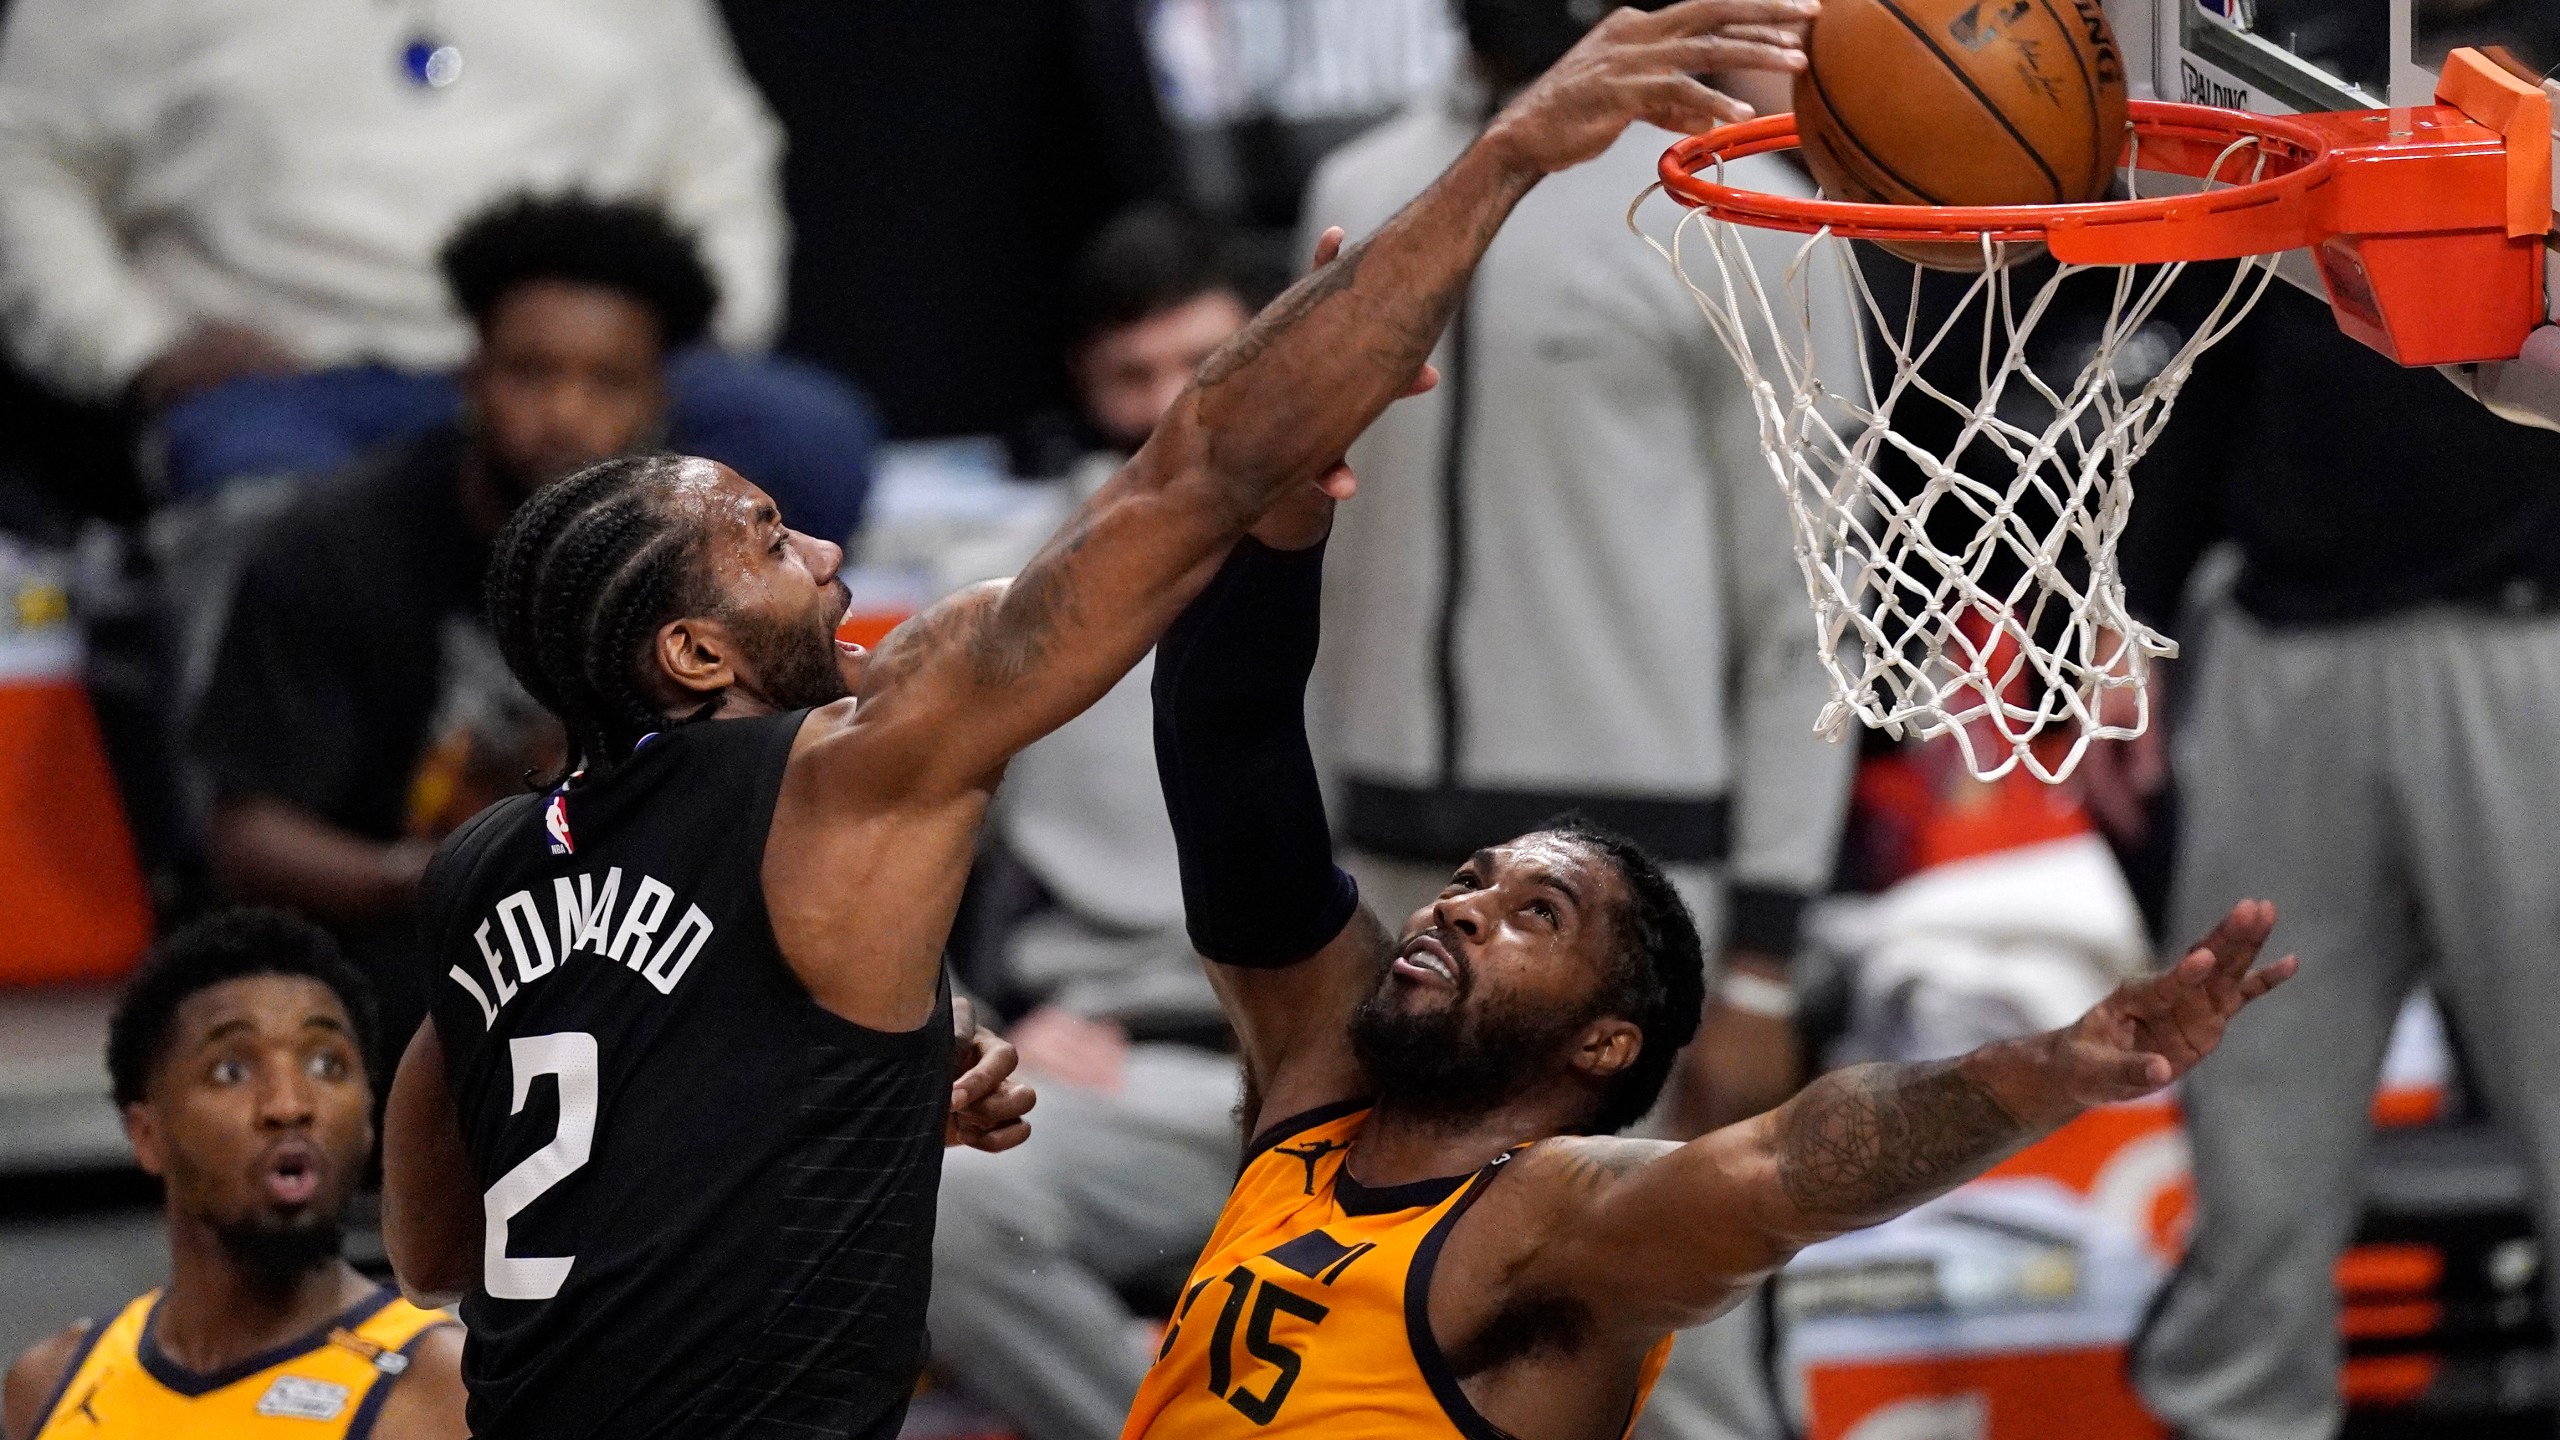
{"points": [[584, 573]]}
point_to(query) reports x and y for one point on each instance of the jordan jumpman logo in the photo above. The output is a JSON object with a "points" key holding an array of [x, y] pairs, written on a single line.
{"points": [[1310, 1154]]}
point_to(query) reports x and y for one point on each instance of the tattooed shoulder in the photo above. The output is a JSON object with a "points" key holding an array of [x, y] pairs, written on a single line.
{"points": [[911, 645], [1011, 636], [1584, 1163]]}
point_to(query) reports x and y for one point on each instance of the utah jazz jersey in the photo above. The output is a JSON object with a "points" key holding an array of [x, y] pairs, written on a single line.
{"points": [[709, 1201], [1308, 1314], [327, 1385]]}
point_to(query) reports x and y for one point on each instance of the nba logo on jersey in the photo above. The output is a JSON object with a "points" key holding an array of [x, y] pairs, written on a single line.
{"points": [[298, 1397], [555, 823]]}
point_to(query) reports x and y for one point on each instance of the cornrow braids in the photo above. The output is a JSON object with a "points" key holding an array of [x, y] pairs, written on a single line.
{"points": [[583, 574], [644, 592]]}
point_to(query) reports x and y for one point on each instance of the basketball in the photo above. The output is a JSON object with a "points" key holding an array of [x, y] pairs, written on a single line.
{"points": [[1962, 102]]}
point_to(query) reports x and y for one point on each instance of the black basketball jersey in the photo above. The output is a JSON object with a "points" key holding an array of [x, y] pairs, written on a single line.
{"points": [[709, 1202]]}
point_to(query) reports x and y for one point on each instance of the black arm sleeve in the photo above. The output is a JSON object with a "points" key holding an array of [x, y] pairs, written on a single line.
{"points": [[1259, 886]]}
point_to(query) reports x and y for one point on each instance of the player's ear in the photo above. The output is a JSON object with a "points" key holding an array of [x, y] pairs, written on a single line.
{"points": [[697, 655], [142, 1131], [1606, 1047]]}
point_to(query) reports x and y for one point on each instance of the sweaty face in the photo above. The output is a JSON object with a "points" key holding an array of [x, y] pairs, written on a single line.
{"points": [[259, 1118], [566, 375], [779, 595], [1129, 376], [1493, 982]]}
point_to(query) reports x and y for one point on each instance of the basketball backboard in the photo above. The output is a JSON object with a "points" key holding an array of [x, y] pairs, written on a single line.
{"points": [[2287, 56], [2290, 56]]}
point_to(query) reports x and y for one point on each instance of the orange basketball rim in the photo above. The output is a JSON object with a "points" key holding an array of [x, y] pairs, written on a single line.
{"points": [[2428, 223]]}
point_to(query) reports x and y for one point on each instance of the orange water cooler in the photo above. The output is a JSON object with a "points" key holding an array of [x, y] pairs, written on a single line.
{"points": [[71, 889]]}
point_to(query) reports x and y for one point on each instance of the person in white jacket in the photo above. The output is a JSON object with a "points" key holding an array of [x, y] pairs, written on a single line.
{"points": [[227, 213], [1575, 591]]}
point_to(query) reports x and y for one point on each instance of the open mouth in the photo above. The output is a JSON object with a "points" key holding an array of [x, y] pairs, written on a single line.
{"points": [[1426, 961], [292, 1174]]}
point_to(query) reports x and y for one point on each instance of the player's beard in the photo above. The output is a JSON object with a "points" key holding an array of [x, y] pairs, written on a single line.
{"points": [[276, 1254], [1453, 1064], [794, 662]]}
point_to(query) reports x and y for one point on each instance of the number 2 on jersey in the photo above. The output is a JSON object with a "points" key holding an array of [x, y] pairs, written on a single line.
{"points": [[571, 1056]]}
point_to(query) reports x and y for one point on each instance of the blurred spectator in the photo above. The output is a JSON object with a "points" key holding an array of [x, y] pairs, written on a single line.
{"points": [[948, 165], [238, 1056], [1573, 553], [226, 211], [2364, 738], [1136, 1144], [358, 708]]}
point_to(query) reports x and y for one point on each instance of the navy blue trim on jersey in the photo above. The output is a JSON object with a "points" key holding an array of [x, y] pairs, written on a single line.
{"points": [[1358, 1199], [1434, 1365], [361, 1427], [183, 1381], [70, 1372], [1300, 1123]]}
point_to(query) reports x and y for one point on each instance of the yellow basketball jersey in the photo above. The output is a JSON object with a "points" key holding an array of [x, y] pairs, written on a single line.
{"points": [[329, 1384], [1307, 1313]]}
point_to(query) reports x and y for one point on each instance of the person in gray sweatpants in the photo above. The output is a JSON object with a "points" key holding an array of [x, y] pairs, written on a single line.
{"points": [[2370, 737], [2392, 786]]}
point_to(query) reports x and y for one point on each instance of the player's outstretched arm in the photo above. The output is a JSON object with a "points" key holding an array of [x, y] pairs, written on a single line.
{"points": [[977, 678], [1674, 1232]]}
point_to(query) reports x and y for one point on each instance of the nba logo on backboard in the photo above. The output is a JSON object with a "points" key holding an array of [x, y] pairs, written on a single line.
{"points": [[555, 823]]}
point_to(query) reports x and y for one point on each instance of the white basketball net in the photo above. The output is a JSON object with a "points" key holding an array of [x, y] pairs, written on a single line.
{"points": [[2016, 641]]}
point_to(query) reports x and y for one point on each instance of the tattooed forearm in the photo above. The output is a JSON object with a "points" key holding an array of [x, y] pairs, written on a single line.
{"points": [[1284, 398], [1874, 1139], [1276, 408], [1282, 316]]}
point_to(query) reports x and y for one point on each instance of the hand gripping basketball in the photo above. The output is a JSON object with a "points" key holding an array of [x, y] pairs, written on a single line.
{"points": [[1639, 65]]}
